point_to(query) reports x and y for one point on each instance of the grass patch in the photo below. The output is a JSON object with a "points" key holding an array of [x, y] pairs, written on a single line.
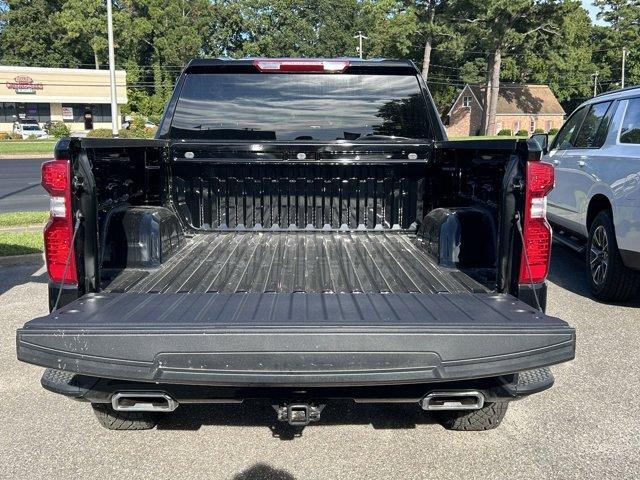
{"points": [[487, 137], [496, 137], [27, 146], [20, 243], [23, 219]]}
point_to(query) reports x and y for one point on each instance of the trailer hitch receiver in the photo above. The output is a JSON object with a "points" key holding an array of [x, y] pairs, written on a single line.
{"points": [[298, 414]]}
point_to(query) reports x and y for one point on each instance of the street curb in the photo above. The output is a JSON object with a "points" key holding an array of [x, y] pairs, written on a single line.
{"points": [[19, 260], [25, 155], [24, 228]]}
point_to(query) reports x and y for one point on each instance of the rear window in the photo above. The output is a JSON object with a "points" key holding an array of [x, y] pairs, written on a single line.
{"points": [[563, 139], [630, 132], [295, 107], [593, 131]]}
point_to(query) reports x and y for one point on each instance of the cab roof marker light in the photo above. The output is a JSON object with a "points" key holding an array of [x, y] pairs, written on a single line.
{"points": [[266, 66], [336, 66], [328, 66]]}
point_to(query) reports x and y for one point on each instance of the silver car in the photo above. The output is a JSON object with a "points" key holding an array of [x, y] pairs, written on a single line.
{"points": [[595, 205]]}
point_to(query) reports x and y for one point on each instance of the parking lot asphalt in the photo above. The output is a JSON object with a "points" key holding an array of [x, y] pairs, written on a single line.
{"points": [[587, 426], [20, 187]]}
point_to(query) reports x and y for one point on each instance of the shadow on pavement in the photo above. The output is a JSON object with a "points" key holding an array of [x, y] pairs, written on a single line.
{"points": [[261, 471], [260, 413], [568, 271], [20, 190], [13, 276]]}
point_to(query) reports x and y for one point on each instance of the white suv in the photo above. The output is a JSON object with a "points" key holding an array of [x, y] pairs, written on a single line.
{"points": [[595, 205], [28, 129]]}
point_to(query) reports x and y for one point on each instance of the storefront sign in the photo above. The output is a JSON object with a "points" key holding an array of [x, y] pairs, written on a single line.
{"points": [[24, 85], [67, 113]]}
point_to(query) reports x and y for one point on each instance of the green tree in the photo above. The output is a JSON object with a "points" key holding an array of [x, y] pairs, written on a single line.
{"points": [[226, 31], [176, 29], [501, 27], [391, 26], [159, 37], [454, 41], [83, 23], [438, 47], [562, 60], [623, 31], [29, 36], [297, 28], [435, 28]]}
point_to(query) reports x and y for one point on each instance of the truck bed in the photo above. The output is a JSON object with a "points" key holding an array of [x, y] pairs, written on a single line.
{"points": [[296, 309], [297, 262]]}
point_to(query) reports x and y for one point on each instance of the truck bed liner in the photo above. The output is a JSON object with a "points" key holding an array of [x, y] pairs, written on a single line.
{"points": [[296, 309], [290, 262]]}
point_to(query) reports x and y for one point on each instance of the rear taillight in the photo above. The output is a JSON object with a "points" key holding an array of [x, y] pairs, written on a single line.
{"points": [[58, 233], [536, 252], [286, 65]]}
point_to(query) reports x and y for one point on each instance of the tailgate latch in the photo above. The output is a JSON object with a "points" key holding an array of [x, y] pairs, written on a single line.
{"points": [[298, 414]]}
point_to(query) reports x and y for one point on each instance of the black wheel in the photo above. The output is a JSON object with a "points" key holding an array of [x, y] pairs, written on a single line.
{"points": [[485, 418], [608, 278], [114, 420]]}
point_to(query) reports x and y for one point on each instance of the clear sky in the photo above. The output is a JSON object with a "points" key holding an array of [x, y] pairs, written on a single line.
{"points": [[593, 11]]}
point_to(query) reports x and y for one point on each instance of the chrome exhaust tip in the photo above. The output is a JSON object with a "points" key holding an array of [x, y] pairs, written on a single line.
{"points": [[453, 400], [143, 402]]}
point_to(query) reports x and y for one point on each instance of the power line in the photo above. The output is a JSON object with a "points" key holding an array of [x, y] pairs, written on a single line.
{"points": [[507, 54], [435, 79], [180, 67]]}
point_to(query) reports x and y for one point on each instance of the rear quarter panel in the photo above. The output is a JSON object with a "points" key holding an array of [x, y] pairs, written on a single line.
{"points": [[627, 224]]}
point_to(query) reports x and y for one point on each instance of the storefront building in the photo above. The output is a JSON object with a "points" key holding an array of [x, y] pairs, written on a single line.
{"points": [[78, 97]]}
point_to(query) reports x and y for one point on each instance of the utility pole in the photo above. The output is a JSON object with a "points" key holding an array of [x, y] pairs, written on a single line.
{"points": [[112, 71], [624, 61], [595, 83], [360, 37]]}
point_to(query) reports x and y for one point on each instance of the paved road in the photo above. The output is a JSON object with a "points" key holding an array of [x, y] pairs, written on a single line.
{"points": [[586, 427], [20, 187]]}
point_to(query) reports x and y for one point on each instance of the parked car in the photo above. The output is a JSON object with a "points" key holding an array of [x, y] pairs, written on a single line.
{"points": [[28, 128], [261, 248], [595, 205], [147, 124]]}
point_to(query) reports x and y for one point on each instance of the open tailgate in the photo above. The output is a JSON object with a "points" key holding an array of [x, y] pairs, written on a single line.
{"points": [[295, 339]]}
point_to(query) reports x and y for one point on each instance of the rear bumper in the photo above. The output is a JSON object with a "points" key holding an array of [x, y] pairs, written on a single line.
{"points": [[319, 359], [68, 295], [100, 390], [418, 363], [528, 294]]}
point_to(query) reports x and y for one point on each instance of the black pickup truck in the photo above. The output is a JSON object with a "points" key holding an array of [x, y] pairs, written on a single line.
{"points": [[298, 231]]}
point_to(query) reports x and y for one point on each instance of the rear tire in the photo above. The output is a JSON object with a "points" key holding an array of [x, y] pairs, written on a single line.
{"points": [[608, 278], [114, 420], [485, 418]]}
